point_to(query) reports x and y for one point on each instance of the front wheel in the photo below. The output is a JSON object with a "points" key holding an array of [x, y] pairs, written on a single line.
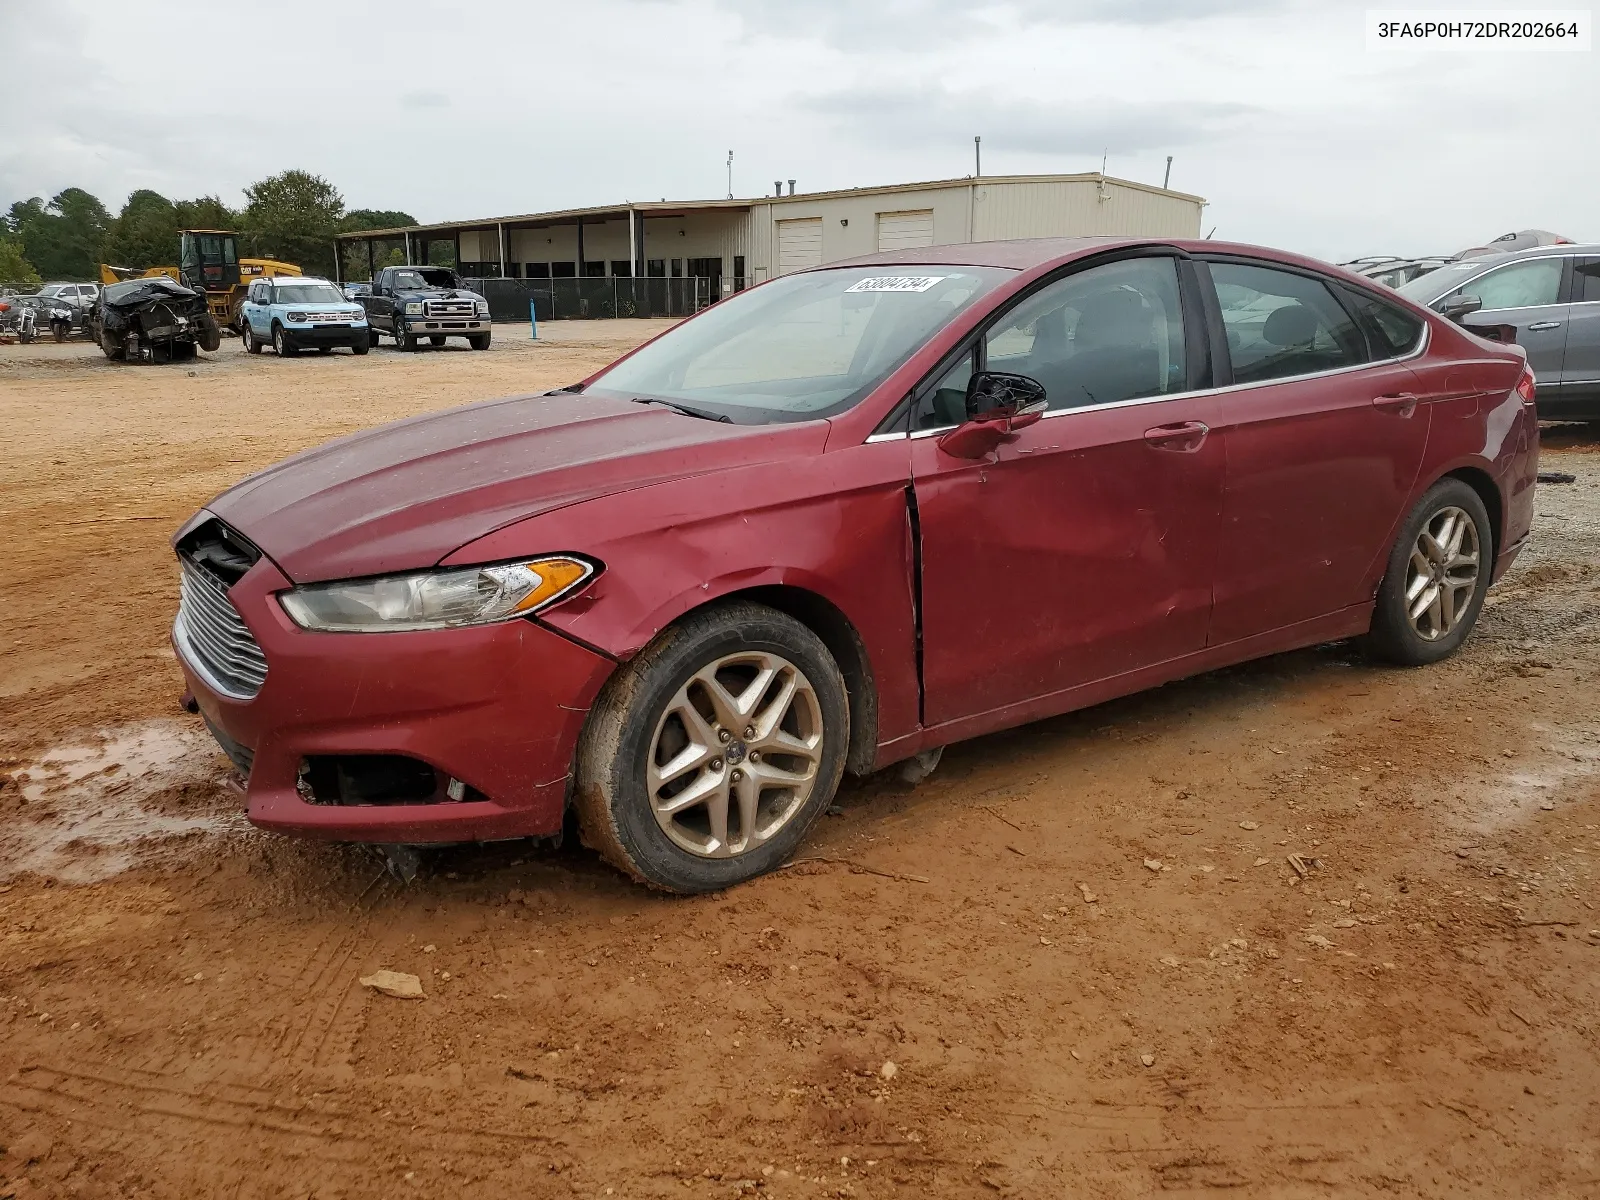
{"points": [[361, 345], [403, 337], [1438, 574], [479, 341], [710, 754], [280, 344], [435, 339]]}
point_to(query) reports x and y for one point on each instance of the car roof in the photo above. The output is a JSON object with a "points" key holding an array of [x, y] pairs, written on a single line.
{"points": [[299, 279], [1027, 254]]}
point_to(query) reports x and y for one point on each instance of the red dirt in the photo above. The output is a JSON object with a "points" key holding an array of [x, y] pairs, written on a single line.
{"points": [[180, 1011]]}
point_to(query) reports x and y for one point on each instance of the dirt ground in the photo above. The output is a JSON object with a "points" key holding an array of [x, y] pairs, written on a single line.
{"points": [[1075, 962]]}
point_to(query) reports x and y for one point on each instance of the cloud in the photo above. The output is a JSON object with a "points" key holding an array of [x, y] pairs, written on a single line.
{"points": [[424, 99], [1083, 126]]}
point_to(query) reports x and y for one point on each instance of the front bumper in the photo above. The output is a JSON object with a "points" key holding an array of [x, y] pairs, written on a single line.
{"points": [[499, 707], [448, 326], [302, 337]]}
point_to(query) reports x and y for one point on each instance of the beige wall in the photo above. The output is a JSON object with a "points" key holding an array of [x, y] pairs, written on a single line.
{"points": [[979, 211], [720, 235]]}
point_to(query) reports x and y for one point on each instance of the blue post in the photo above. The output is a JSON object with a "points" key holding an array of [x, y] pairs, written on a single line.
{"points": [[533, 319]]}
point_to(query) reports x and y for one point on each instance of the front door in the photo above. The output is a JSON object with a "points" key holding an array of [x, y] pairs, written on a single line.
{"points": [[1526, 295], [1083, 547], [1324, 447]]}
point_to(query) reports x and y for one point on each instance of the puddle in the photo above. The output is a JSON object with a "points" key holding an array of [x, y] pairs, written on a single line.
{"points": [[1566, 758], [93, 809]]}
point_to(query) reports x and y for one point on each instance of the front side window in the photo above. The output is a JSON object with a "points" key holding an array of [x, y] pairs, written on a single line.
{"points": [[1518, 285], [1099, 336], [807, 345], [1280, 324]]}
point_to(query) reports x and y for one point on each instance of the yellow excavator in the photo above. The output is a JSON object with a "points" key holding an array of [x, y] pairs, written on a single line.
{"points": [[209, 262]]}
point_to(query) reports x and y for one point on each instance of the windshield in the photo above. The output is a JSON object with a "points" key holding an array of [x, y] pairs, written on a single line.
{"points": [[424, 279], [1425, 289], [803, 346], [307, 293]]}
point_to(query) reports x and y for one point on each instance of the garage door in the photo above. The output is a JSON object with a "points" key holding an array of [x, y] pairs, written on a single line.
{"points": [[799, 244], [904, 230]]}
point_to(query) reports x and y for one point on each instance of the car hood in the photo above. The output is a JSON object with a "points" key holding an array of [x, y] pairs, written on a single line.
{"points": [[403, 496], [438, 294]]}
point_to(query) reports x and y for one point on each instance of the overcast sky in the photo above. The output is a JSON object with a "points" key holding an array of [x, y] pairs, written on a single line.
{"points": [[1274, 110]]}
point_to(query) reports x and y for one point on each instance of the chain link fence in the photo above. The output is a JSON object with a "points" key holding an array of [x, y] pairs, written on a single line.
{"points": [[598, 298]]}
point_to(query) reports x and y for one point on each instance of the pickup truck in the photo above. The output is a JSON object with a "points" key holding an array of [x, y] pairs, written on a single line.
{"points": [[408, 303]]}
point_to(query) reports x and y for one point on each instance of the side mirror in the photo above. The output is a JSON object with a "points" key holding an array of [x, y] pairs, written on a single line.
{"points": [[1458, 306], [998, 404]]}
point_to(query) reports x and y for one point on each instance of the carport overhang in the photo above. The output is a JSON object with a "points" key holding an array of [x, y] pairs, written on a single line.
{"points": [[416, 238]]}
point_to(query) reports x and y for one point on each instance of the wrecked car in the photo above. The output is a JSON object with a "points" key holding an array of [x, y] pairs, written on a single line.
{"points": [[154, 318], [835, 523]]}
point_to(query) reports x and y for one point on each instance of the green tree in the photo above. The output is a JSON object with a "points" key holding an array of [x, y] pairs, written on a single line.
{"points": [[384, 254], [293, 216], [145, 233], [208, 212], [63, 238], [375, 218], [15, 270]]}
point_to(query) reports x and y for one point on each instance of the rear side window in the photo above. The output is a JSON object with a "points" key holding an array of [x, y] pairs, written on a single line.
{"points": [[1586, 281], [1391, 331], [1281, 324]]}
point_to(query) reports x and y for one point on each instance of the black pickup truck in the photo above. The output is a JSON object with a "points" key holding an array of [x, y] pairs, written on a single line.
{"points": [[409, 303]]}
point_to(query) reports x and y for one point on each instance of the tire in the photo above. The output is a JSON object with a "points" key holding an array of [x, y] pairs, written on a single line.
{"points": [[280, 344], [436, 339], [639, 721], [403, 337], [372, 338], [210, 336], [1452, 564], [324, 349], [247, 335], [110, 346], [59, 330], [361, 347], [479, 341]]}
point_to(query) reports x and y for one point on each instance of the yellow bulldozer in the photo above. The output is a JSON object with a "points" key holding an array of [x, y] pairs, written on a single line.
{"points": [[209, 262]]}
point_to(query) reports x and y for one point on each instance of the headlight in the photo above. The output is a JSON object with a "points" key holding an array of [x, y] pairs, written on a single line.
{"points": [[413, 308], [443, 599], [357, 314], [483, 308], [297, 316]]}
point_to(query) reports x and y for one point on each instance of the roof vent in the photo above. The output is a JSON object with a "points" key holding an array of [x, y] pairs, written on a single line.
{"points": [[777, 187], [791, 187]]}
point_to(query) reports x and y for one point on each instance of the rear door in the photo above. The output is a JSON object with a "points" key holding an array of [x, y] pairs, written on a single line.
{"points": [[1325, 438], [1082, 548], [1578, 395], [1527, 295]]}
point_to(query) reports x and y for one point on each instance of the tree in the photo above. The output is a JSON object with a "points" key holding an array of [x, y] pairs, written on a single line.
{"points": [[384, 254], [208, 212], [375, 218], [145, 233], [63, 238], [15, 270], [293, 216]]}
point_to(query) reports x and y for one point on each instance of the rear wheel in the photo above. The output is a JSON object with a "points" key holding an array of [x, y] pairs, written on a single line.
{"points": [[324, 349], [247, 335], [1438, 574], [436, 339], [710, 754], [479, 341]]}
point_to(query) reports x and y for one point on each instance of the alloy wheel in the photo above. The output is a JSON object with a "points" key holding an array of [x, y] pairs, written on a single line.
{"points": [[1443, 573], [735, 754]]}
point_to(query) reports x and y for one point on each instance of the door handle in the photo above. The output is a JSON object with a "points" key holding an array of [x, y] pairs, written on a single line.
{"points": [[1400, 404], [1185, 437], [1539, 326]]}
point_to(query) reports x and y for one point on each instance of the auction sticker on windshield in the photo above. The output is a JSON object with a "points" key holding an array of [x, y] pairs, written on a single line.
{"points": [[895, 283]]}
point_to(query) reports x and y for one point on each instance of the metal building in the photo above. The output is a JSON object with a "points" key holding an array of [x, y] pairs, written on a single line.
{"points": [[669, 258]]}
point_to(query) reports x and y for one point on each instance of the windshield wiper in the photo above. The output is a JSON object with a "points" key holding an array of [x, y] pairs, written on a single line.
{"points": [[685, 409]]}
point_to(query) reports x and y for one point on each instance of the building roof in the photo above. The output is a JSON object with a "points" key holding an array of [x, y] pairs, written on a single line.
{"points": [[661, 208]]}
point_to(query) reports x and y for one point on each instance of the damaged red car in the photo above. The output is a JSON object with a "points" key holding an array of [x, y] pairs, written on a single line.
{"points": [[839, 521]]}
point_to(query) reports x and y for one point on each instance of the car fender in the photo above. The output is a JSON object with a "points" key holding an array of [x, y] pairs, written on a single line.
{"points": [[833, 526]]}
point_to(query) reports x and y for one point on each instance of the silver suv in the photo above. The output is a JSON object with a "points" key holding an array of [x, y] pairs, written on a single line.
{"points": [[1551, 296]]}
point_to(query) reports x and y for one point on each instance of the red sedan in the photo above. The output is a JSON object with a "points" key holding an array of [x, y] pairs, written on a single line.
{"points": [[839, 521]]}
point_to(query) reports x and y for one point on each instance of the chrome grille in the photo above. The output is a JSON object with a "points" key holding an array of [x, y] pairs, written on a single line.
{"points": [[210, 628], [450, 308]]}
